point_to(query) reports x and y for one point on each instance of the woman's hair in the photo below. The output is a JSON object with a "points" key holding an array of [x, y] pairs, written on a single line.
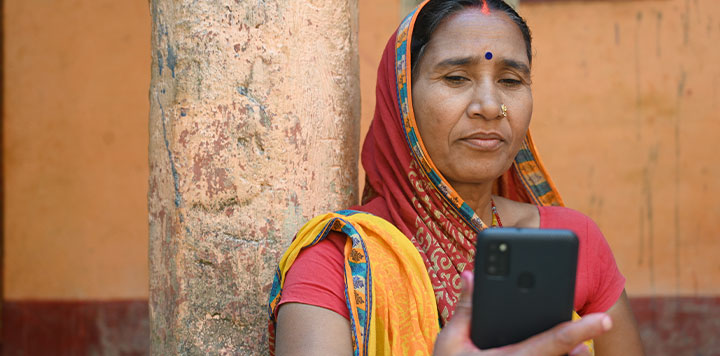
{"points": [[436, 11]]}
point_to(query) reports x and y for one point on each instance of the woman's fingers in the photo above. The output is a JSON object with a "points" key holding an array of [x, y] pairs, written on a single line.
{"points": [[580, 350], [566, 337]]}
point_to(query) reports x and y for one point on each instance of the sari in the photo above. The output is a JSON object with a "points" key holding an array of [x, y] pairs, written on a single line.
{"points": [[413, 235]]}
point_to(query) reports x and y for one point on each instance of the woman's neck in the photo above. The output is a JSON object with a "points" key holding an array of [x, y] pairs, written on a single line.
{"points": [[478, 197]]}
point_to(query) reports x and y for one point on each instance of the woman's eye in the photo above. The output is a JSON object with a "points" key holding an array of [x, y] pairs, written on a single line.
{"points": [[510, 82], [455, 79]]}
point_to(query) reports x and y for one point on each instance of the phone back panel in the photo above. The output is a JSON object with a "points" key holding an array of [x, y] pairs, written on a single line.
{"points": [[526, 288]]}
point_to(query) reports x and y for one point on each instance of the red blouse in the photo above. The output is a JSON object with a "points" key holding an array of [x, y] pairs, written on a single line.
{"points": [[316, 278]]}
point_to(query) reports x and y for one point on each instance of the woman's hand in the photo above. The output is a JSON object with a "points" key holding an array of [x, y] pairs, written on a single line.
{"points": [[566, 338]]}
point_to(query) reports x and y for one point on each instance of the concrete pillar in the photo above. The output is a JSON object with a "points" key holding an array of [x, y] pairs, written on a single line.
{"points": [[253, 129]]}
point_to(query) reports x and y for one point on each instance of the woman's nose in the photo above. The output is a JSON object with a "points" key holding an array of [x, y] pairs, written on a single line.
{"points": [[485, 103]]}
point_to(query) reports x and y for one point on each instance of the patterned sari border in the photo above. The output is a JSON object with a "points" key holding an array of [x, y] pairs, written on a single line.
{"points": [[358, 276]]}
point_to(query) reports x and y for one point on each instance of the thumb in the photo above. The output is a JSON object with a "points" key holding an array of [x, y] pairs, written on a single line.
{"points": [[460, 321]]}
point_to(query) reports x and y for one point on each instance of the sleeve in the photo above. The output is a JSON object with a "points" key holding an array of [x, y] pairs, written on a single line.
{"points": [[606, 283], [317, 276]]}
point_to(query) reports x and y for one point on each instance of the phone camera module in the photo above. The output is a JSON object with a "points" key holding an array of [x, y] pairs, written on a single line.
{"points": [[497, 260]]}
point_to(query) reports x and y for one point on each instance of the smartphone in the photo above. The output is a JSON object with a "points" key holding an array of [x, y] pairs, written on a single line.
{"points": [[524, 283]]}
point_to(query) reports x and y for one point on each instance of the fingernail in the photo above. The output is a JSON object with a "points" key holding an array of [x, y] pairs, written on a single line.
{"points": [[579, 350], [607, 323]]}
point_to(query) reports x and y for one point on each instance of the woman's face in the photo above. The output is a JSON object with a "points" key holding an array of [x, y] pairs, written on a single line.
{"points": [[473, 64]]}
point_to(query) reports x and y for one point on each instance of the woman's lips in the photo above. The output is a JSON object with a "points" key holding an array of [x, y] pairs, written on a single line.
{"points": [[484, 142]]}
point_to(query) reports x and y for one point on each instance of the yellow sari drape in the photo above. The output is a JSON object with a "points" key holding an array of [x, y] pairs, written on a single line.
{"points": [[388, 291]]}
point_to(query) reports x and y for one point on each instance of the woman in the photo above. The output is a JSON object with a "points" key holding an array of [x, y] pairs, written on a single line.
{"points": [[447, 151]]}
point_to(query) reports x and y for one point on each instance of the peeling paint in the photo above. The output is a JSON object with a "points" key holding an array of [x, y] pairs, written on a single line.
{"points": [[159, 62], [173, 170], [264, 117], [171, 59]]}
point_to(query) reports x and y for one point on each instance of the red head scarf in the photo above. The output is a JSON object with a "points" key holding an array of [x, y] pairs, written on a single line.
{"points": [[404, 186]]}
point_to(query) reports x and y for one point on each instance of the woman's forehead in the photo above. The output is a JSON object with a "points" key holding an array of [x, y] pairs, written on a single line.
{"points": [[473, 33]]}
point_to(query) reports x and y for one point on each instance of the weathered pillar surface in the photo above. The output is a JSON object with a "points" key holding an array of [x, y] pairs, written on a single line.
{"points": [[253, 129]]}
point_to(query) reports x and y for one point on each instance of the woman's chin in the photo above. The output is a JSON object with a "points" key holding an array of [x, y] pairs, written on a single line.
{"points": [[480, 177], [478, 170]]}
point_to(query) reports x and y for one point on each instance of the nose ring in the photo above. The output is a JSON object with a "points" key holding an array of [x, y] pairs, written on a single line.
{"points": [[504, 110]]}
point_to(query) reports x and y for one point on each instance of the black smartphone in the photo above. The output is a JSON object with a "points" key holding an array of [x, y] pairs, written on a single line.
{"points": [[524, 283]]}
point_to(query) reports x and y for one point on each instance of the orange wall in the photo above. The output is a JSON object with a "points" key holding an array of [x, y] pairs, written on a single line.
{"points": [[625, 109], [625, 105], [626, 97], [75, 149], [378, 19]]}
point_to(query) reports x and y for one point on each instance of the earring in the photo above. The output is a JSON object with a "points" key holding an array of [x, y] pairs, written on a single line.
{"points": [[504, 110]]}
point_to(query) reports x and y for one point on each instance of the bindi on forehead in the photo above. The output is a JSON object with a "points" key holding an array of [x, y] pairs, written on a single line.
{"points": [[485, 8]]}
